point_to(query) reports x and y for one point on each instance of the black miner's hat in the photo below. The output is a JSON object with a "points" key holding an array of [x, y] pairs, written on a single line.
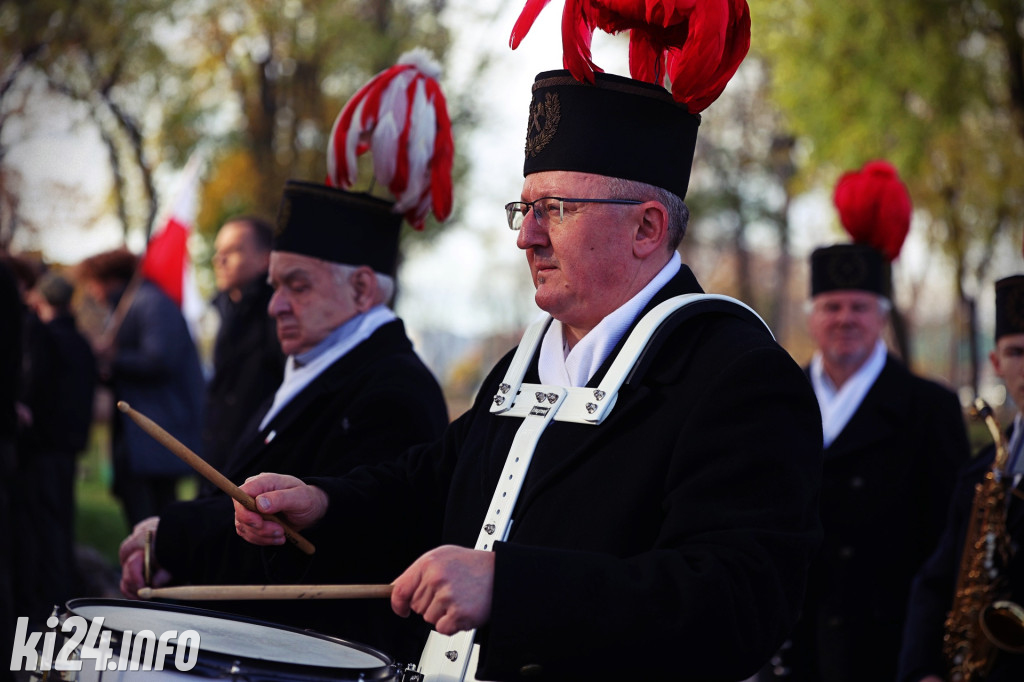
{"points": [[617, 127], [848, 266], [338, 226], [1010, 306]]}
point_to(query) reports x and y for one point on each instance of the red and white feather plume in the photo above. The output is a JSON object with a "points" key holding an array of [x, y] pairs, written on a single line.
{"points": [[697, 44], [874, 207], [401, 116]]}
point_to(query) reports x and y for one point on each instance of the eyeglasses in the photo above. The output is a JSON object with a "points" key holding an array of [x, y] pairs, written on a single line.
{"points": [[547, 208]]}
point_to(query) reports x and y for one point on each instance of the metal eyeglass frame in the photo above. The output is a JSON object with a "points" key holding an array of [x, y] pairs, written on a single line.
{"points": [[515, 211]]}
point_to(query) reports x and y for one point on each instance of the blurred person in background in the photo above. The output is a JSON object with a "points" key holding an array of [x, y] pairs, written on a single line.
{"points": [[36, 423], [66, 422], [893, 444], [152, 364], [247, 360]]}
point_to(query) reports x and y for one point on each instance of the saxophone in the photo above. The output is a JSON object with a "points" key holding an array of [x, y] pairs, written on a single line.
{"points": [[980, 622]]}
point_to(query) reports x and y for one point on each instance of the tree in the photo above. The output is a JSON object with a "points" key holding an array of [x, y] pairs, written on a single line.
{"points": [[742, 184], [256, 84]]}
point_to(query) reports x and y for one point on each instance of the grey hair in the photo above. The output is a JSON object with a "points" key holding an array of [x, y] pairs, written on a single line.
{"points": [[678, 212], [385, 283]]}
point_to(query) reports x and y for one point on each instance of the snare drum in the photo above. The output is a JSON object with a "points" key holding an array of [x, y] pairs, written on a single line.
{"points": [[206, 644]]}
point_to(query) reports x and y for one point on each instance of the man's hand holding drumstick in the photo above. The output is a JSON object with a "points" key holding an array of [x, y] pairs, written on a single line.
{"points": [[449, 586], [132, 555]]}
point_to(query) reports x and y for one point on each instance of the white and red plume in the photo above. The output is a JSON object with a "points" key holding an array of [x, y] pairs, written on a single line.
{"points": [[401, 116], [874, 207], [697, 44]]}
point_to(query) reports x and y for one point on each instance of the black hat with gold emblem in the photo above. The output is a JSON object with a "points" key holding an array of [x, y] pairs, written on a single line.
{"points": [[619, 127], [1010, 306], [402, 116], [848, 266], [584, 120]]}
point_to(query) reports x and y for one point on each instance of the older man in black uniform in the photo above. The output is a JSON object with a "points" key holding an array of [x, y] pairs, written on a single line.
{"points": [[668, 514], [893, 443], [354, 391], [922, 658]]}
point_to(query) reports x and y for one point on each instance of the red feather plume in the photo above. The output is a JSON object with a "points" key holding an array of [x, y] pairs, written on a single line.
{"points": [[697, 44], [874, 207], [402, 117]]}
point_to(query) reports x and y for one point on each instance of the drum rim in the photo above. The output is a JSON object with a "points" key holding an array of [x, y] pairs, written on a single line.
{"points": [[384, 671]]}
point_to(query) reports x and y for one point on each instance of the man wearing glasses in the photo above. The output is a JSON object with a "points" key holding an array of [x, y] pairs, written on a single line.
{"points": [[668, 505]]}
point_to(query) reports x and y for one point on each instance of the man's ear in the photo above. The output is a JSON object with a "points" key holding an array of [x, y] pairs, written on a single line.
{"points": [[364, 288], [652, 230]]}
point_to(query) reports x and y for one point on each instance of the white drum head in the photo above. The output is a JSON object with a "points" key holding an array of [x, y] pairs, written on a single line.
{"points": [[229, 637]]}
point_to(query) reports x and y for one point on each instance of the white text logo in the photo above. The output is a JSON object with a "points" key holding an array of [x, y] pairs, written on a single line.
{"points": [[143, 650]]}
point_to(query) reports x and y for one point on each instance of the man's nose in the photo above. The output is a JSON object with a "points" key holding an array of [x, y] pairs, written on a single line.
{"points": [[531, 234], [278, 304]]}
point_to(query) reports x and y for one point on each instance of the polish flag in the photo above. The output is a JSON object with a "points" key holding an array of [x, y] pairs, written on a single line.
{"points": [[166, 262]]}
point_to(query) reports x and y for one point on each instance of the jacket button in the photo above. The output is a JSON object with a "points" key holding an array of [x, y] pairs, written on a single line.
{"points": [[845, 552], [834, 622], [531, 670], [857, 482]]}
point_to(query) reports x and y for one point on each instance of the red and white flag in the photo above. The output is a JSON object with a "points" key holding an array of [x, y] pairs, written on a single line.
{"points": [[166, 262]]}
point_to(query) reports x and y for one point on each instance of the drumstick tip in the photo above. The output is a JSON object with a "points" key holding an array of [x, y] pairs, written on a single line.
{"points": [[145, 592], [123, 406]]}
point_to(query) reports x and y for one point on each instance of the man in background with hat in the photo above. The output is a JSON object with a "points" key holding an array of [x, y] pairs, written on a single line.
{"points": [[922, 658], [354, 391], [663, 538], [893, 443]]}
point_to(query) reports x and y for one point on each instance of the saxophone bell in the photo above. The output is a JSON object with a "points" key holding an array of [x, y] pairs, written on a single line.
{"points": [[1003, 624]]}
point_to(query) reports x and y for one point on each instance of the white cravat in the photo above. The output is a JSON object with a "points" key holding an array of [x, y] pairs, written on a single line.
{"points": [[838, 405], [575, 367], [298, 375]]}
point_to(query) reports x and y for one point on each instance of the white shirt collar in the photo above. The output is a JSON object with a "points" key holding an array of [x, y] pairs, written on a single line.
{"points": [[575, 367], [838, 405], [340, 341]]}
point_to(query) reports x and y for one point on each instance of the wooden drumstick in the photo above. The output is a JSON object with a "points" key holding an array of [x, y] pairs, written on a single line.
{"points": [[216, 592], [209, 473]]}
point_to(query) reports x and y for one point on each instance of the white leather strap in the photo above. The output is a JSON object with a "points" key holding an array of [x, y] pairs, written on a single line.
{"points": [[445, 657]]}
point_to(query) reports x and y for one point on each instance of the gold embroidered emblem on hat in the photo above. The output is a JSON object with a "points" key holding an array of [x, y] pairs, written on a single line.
{"points": [[544, 117]]}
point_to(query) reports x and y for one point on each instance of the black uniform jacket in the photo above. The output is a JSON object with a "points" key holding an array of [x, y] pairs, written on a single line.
{"points": [[932, 595], [247, 368], [887, 481], [671, 542], [372, 404]]}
